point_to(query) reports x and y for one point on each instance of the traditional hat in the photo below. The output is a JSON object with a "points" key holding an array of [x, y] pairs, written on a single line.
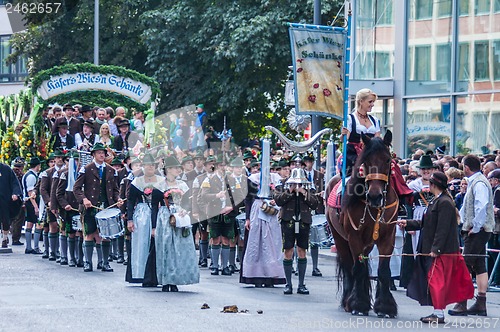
{"points": [[72, 154], [254, 162], [149, 159], [425, 162], [494, 174], [135, 161], [67, 106], [89, 123], [309, 157], [237, 162], [59, 153], [34, 162], [210, 159], [171, 161], [275, 165], [283, 163], [199, 155], [247, 155], [116, 161], [439, 179], [63, 123], [85, 108], [186, 159], [19, 162], [98, 147], [50, 156], [441, 149], [123, 122]]}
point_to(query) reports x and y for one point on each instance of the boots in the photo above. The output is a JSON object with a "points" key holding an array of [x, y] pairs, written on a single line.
{"points": [[460, 309], [479, 307]]}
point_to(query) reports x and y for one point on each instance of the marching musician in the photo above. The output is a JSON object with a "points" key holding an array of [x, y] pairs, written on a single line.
{"points": [[32, 201], [96, 188], [297, 199], [69, 209], [51, 220], [56, 209]]}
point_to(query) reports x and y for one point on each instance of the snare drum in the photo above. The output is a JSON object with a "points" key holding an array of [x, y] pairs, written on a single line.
{"points": [[76, 223], [109, 223], [320, 233], [241, 224]]}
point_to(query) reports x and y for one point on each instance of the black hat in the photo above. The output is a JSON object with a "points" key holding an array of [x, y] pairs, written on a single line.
{"points": [[308, 157], [494, 174], [439, 179], [171, 161], [63, 123], [85, 108], [425, 162], [67, 106], [34, 162], [148, 159], [19, 162], [122, 123], [441, 149], [89, 123]]}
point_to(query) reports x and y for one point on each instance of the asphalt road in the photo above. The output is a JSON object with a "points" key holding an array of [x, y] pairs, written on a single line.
{"points": [[38, 295]]}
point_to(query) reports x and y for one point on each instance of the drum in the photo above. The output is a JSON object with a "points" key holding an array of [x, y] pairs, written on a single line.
{"points": [[76, 223], [109, 223], [320, 233], [241, 224]]}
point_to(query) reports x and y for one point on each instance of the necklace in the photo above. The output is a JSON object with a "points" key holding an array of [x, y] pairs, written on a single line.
{"points": [[362, 116]]}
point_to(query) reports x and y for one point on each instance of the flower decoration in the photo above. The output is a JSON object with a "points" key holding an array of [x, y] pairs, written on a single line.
{"points": [[327, 92], [312, 98], [9, 148]]}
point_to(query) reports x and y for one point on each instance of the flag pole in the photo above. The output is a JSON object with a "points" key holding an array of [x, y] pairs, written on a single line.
{"points": [[346, 92]]}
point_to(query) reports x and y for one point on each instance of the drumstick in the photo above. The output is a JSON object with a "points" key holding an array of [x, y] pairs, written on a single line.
{"points": [[96, 207], [109, 207], [75, 209]]}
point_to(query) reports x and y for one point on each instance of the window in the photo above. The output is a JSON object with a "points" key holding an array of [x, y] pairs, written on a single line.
{"points": [[481, 62], [463, 59], [482, 7], [496, 60], [444, 8], [496, 7], [422, 63], [384, 14], [443, 62], [423, 9], [463, 7], [383, 68], [10, 73]]}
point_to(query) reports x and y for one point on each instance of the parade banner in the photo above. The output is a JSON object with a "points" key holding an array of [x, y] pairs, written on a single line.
{"points": [[318, 55], [65, 83]]}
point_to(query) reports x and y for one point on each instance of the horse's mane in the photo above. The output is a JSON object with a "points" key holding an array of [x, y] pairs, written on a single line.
{"points": [[376, 148]]}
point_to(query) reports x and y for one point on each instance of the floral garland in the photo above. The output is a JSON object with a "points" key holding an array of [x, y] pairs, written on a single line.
{"points": [[9, 147]]}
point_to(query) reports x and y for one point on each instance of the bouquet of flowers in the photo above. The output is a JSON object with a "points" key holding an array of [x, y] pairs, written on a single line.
{"points": [[9, 147], [27, 145], [147, 192]]}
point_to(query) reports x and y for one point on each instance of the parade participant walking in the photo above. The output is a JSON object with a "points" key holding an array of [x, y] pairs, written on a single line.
{"points": [[69, 209], [217, 203], [297, 200], [359, 121], [10, 197], [32, 201], [139, 224], [440, 276], [45, 191], [175, 251], [17, 221], [478, 223], [96, 188]]}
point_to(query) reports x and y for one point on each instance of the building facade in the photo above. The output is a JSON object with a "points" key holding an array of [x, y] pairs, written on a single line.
{"points": [[436, 67]]}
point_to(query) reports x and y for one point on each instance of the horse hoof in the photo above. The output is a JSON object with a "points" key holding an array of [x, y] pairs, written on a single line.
{"points": [[381, 315], [359, 313]]}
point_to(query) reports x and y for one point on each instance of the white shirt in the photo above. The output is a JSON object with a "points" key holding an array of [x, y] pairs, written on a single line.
{"points": [[373, 129], [481, 199]]}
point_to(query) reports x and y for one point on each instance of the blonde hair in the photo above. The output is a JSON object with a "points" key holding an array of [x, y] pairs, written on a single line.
{"points": [[363, 94], [104, 125]]}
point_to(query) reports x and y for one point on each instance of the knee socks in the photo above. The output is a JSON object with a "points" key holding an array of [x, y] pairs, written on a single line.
{"points": [[106, 248], [225, 256], [36, 238], [302, 265], [287, 266], [28, 239]]}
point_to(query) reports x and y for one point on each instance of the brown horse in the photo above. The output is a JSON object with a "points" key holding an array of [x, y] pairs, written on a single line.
{"points": [[369, 204]]}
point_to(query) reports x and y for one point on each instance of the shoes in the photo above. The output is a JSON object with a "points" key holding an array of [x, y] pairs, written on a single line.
{"points": [[72, 263], [45, 255], [17, 243], [64, 261], [52, 257], [288, 289], [36, 251], [392, 286], [460, 309], [5, 244], [148, 285], [173, 288], [165, 288], [204, 263], [80, 264], [302, 290], [87, 267], [479, 307], [120, 260], [58, 260], [226, 271], [233, 269], [110, 258], [317, 273], [99, 266], [106, 268], [26, 251], [215, 272], [432, 319], [125, 262]]}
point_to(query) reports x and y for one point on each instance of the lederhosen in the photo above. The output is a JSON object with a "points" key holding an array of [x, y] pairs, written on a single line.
{"points": [[70, 199], [90, 223]]}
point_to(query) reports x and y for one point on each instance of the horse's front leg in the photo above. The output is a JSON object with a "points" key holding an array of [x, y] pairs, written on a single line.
{"points": [[385, 306], [359, 301]]}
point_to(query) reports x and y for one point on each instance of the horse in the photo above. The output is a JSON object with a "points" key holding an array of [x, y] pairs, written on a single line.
{"points": [[368, 208]]}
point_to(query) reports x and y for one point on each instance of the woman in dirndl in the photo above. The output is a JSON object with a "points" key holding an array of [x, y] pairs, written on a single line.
{"points": [[440, 276], [176, 262], [142, 264]]}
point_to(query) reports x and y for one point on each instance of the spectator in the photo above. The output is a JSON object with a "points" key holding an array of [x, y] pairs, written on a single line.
{"points": [[201, 128], [178, 142], [73, 124], [100, 119], [126, 139], [105, 136], [494, 242], [138, 123]]}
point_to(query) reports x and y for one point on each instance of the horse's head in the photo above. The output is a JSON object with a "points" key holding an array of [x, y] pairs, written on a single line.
{"points": [[374, 164]]}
